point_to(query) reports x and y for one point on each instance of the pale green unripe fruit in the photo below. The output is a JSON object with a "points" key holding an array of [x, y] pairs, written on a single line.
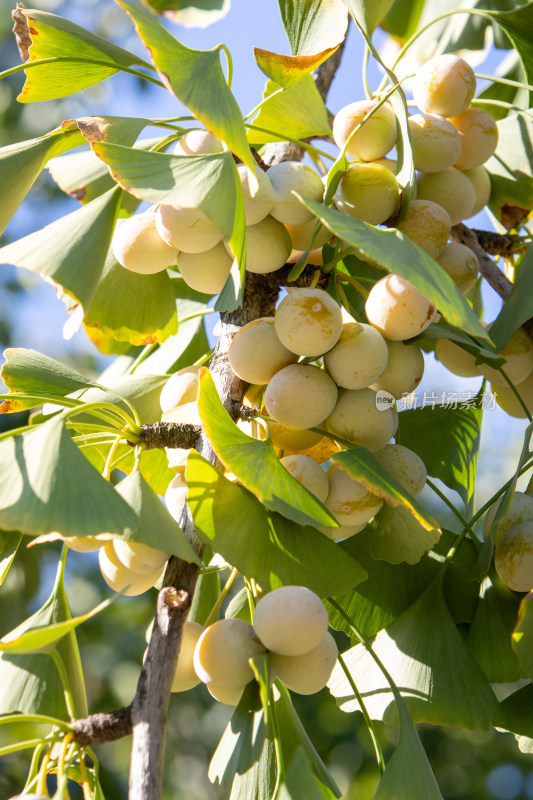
{"points": [[436, 142], [138, 246], [521, 511], [258, 194], [480, 180], [359, 357], [288, 177], [181, 388], [268, 246], [513, 557], [198, 143], [479, 136], [286, 438], [222, 652], [357, 419], [456, 360], [309, 473], [428, 225], [301, 235], [256, 353], [176, 496], [519, 354], [450, 189], [342, 532], [300, 396], [368, 192], [310, 672], [117, 576], [397, 309], [374, 139], [230, 697], [208, 271], [83, 544], [508, 402], [177, 459], [185, 677], [291, 620], [187, 229], [444, 85], [308, 322], [140, 557], [404, 370], [404, 465], [461, 264], [348, 500]]}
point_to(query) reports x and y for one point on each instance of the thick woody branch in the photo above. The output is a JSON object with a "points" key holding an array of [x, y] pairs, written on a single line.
{"points": [[105, 727], [496, 244], [487, 267]]}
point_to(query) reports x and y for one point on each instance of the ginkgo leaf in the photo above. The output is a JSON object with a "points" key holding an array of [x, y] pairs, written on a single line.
{"points": [[398, 536]]}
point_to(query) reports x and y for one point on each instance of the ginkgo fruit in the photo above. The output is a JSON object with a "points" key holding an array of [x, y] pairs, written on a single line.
{"points": [[139, 557], [451, 189], [404, 370], [404, 465], [206, 272], [291, 620], [258, 338], [359, 357], [222, 653], [397, 309], [428, 225], [185, 676], [521, 510], [310, 672], [198, 143], [461, 264], [435, 141], [187, 229], [138, 246], [300, 396], [356, 417], [258, 194], [268, 246], [456, 360], [444, 85], [513, 557], [518, 353], [376, 136], [308, 322], [368, 192], [182, 387], [286, 178], [479, 137], [118, 576], [348, 500], [309, 473]]}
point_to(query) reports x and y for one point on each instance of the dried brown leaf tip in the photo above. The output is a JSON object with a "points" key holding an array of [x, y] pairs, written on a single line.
{"points": [[22, 32], [93, 128]]}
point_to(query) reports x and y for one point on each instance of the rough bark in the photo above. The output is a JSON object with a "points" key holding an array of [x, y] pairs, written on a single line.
{"points": [[487, 267]]}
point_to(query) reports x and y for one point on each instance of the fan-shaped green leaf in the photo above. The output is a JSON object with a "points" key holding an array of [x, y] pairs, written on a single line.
{"points": [[9, 544], [262, 545], [523, 634], [300, 782], [72, 250], [256, 464], [511, 169], [49, 36], [21, 163], [516, 709], [396, 253], [518, 25], [369, 13], [191, 13], [47, 485], [398, 536], [296, 112], [428, 661], [518, 308], [196, 78]]}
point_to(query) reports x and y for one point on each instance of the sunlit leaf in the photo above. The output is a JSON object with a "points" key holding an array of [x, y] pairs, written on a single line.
{"points": [[259, 781], [398, 536], [441, 330], [518, 308], [518, 25], [21, 163], [300, 782], [191, 13], [47, 485], [510, 170], [262, 545], [428, 661], [369, 13], [49, 36], [72, 250], [398, 254], [197, 79], [447, 441], [9, 544], [296, 112], [523, 634], [256, 464]]}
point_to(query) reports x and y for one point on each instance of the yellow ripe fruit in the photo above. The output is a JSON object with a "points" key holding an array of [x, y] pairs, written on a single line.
{"points": [[301, 236], [368, 192], [140, 557], [176, 496], [397, 309], [461, 264], [289, 177], [342, 532], [348, 500], [256, 353], [456, 360], [137, 245], [230, 697], [521, 511], [187, 229], [428, 225], [309, 473], [206, 272], [480, 180], [359, 357], [479, 135], [300, 396], [117, 576], [321, 451], [513, 557], [404, 370], [404, 465], [356, 418], [374, 139], [181, 388], [83, 544], [268, 246], [285, 438], [508, 402], [519, 354], [308, 322], [198, 143], [310, 672], [177, 459], [291, 620], [222, 653], [451, 189], [444, 85], [436, 142], [185, 677], [258, 194]]}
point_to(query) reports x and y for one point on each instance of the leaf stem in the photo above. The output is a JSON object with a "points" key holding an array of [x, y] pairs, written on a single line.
{"points": [[227, 53], [38, 719], [505, 81], [516, 394], [29, 743], [283, 137], [280, 777], [222, 596], [106, 472], [342, 276], [78, 59], [69, 700]]}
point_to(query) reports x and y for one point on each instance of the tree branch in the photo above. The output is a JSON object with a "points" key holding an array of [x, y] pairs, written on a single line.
{"points": [[487, 267]]}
